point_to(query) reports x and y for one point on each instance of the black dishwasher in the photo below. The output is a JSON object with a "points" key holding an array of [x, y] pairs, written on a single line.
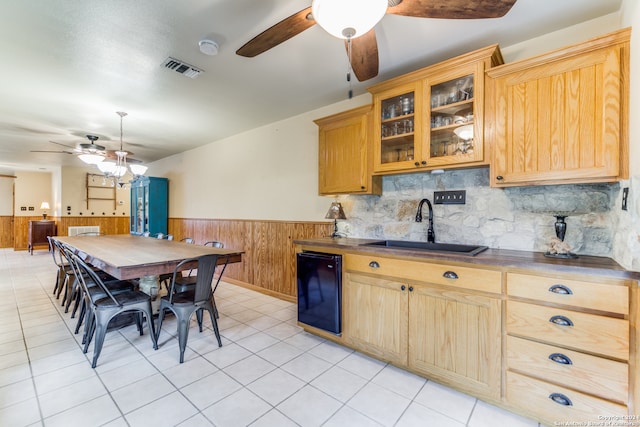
{"points": [[319, 290]]}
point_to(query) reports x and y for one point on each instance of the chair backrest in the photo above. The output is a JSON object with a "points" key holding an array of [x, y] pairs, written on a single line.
{"points": [[55, 252], [214, 243], [83, 273], [206, 265], [188, 240], [160, 235]]}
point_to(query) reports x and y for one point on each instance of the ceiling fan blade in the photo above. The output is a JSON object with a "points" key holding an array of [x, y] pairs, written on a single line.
{"points": [[50, 151], [453, 9], [282, 31], [364, 56], [64, 145]]}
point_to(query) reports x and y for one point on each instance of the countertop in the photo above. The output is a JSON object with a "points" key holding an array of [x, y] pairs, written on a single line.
{"points": [[584, 264]]}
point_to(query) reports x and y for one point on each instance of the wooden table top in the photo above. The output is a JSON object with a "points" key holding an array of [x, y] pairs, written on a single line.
{"points": [[126, 256]]}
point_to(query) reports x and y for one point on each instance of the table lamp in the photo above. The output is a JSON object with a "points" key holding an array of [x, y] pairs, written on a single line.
{"points": [[335, 213], [45, 207]]}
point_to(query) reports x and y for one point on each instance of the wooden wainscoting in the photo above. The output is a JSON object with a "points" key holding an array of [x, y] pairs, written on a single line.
{"points": [[108, 225], [268, 264], [6, 231]]}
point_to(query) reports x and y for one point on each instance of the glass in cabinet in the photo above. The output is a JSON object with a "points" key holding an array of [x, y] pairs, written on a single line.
{"points": [[453, 135], [398, 129]]}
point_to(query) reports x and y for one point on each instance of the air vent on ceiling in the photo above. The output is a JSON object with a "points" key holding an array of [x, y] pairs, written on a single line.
{"points": [[182, 67]]}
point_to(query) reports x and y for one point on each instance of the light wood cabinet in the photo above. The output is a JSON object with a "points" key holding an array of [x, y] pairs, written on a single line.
{"points": [[344, 160], [450, 333], [454, 338], [568, 347], [376, 316], [418, 117], [561, 117]]}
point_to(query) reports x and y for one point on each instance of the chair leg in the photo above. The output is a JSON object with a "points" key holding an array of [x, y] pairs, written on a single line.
{"points": [[160, 319], [214, 323], [60, 272], [83, 309], [102, 321], [183, 334], [199, 318]]}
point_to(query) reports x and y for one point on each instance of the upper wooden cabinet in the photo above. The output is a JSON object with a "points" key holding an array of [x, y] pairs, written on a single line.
{"points": [[561, 117], [419, 118], [345, 155]]}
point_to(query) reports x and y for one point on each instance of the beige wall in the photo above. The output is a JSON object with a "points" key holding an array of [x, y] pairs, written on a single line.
{"points": [[74, 194], [6, 196], [267, 173], [32, 188]]}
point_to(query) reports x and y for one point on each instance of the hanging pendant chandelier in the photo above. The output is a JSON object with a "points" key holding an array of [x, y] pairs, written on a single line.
{"points": [[116, 170]]}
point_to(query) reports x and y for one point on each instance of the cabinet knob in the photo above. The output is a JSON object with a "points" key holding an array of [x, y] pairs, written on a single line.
{"points": [[417, 163], [450, 275], [561, 321], [410, 288], [499, 177], [560, 289], [424, 162], [362, 187], [374, 264], [560, 399], [560, 358], [403, 287]]}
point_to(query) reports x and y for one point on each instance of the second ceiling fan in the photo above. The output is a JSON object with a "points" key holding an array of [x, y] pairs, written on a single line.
{"points": [[363, 49]]}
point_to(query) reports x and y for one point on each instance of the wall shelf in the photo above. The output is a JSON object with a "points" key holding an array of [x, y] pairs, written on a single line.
{"points": [[94, 190]]}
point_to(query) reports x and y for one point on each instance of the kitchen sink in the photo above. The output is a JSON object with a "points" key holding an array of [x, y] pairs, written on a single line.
{"points": [[470, 250]]}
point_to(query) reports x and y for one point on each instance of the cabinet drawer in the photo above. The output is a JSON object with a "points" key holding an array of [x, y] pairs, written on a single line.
{"points": [[592, 295], [586, 332], [534, 396], [591, 374], [467, 277]]}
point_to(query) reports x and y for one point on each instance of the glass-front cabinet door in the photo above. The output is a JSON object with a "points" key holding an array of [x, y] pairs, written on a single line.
{"points": [[397, 145], [455, 134]]}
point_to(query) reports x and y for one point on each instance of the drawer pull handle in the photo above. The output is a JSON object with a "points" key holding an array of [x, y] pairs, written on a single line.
{"points": [[450, 275], [560, 289], [374, 264], [561, 321], [561, 399], [560, 358]]}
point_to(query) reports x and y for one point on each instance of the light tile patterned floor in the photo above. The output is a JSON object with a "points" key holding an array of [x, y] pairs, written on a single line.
{"points": [[268, 373]]}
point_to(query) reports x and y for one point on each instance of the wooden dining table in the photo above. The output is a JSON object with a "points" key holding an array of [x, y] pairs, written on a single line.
{"points": [[127, 256]]}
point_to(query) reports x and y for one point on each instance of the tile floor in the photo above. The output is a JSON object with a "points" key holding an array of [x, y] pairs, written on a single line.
{"points": [[268, 373]]}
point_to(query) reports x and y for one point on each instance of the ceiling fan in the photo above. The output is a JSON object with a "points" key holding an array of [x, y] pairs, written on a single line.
{"points": [[362, 46], [88, 149]]}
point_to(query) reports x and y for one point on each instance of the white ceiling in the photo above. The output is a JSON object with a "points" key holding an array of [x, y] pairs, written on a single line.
{"points": [[68, 66]]}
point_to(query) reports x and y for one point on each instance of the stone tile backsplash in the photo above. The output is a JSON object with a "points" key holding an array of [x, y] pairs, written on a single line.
{"points": [[520, 218]]}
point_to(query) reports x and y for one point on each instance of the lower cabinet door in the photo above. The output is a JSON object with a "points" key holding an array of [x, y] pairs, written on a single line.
{"points": [[455, 338], [375, 317]]}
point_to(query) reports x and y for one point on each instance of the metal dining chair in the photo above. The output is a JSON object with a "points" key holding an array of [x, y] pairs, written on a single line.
{"points": [[103, 305], [194, 300]]}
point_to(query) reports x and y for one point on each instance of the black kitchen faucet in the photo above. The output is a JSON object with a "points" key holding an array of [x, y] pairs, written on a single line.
{"points": [[431, 235]]}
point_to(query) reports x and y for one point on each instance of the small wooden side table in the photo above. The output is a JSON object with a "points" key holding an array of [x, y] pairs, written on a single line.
{"points": [[38, 232]]}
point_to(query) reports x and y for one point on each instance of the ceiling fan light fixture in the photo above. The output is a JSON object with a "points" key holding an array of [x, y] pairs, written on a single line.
{"points": [[91, 158], [138, 170], [348, 18]]}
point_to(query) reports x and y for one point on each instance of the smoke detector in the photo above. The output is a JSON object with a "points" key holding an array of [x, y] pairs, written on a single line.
{"points": [[208, 47]]}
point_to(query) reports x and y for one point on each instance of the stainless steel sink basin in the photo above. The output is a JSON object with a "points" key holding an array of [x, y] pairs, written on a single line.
{"points": [[470, 250]]}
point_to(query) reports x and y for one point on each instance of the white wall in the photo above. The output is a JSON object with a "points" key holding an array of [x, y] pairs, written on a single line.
{"points": [[267, 173]]}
